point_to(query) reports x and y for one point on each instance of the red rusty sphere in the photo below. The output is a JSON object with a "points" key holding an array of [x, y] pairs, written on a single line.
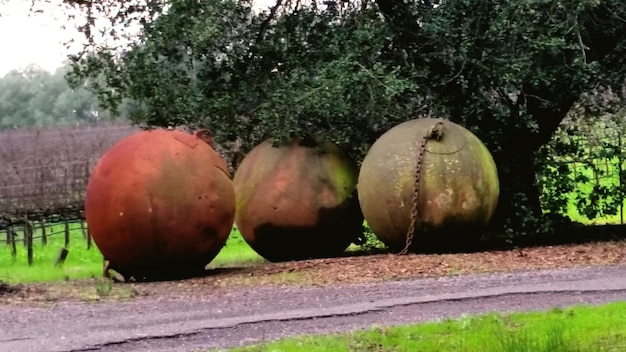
{"points": [[458, 186], [160, 201], [298, 200]]}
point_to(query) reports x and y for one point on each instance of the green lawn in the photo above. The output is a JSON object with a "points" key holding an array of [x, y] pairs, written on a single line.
{"points": [[577, 329], [85, 263], [80, 262], [235, 252]]}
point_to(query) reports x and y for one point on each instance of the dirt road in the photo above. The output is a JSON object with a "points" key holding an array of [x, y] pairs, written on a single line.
{"points": [[223, 318]]}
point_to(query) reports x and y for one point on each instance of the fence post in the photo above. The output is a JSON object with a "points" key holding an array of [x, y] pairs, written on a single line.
{"points": [[82, 228], [86, 229], [67, 233], [621, 184], [28, 238], [24, 240], [61, 256], [44, 235], [12, 241]]}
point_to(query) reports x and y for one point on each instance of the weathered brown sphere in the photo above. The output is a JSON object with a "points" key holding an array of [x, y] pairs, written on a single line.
{"points": [[160, 202], [297, 201], [458, 188]]}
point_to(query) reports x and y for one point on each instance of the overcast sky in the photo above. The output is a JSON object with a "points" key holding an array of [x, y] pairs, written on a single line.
{"points": [[38, 38], [30, 39]]}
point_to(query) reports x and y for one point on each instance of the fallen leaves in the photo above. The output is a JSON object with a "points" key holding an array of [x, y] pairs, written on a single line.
{"points": [[333, 271]]}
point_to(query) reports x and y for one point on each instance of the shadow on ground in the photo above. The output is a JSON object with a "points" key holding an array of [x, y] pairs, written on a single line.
{"points": [[573, 233]]}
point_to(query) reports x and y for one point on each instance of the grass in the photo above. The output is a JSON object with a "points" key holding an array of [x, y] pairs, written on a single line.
{"points": [[86, 263], [80, 262], [235, 252], [576, 329]]}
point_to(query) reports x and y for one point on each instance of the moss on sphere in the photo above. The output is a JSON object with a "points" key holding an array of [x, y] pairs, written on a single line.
{"points": [[297, 200], [458, 189]]}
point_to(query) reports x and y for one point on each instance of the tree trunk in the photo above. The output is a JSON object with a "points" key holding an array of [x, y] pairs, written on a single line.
{"points": [[519, 202], [519, 206]]}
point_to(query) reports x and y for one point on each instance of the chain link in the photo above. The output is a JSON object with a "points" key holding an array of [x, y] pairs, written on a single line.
{"points": [[436, 133]]}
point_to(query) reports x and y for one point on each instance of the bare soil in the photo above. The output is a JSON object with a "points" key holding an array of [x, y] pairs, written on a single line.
{"points": [[322, 272]]}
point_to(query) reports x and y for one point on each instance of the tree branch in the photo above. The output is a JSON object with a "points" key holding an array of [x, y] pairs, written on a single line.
{"points": [[265, 24], [399, 16]]}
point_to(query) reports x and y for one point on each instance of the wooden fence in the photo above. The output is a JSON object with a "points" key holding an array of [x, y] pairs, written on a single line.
{"points": [[28, 233]]}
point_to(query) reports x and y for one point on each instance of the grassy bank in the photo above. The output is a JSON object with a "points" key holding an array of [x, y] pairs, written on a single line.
{"points": [[83, 262], [577, 329]]}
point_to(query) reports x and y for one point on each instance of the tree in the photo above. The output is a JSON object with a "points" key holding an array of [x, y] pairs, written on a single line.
{"points": [[26, 97], [508, 70], [34, 97], [511, 71], [584, 161]]}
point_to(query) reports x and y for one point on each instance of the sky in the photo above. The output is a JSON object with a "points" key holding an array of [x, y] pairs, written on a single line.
{"points": [[38, 38], [25, 39]]}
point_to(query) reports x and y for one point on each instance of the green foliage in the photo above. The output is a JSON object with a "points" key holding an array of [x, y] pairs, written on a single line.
{"points": [[508, 70], [303, 73], [584, 163], [516, 69]]}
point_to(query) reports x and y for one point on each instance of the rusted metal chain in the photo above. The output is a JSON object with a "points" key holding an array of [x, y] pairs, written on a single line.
{"points": [[434, 133]]}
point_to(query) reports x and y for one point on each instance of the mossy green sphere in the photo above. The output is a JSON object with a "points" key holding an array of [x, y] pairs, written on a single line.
{"points": [[458, 188], [297, 200]]}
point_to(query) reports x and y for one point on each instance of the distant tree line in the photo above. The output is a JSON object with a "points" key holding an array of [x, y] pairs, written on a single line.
{"points": [[34, 97]]}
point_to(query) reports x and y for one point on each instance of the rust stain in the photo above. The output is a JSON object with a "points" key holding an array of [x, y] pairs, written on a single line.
{"points": [[142, 203]]}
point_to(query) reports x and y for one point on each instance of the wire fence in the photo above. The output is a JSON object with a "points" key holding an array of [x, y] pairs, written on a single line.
{"points": [[587, 166], [43, 177], [32, 234], [44, 172]]}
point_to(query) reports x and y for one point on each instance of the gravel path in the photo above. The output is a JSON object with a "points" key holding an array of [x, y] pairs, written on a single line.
{"points": [[220, 319]]}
